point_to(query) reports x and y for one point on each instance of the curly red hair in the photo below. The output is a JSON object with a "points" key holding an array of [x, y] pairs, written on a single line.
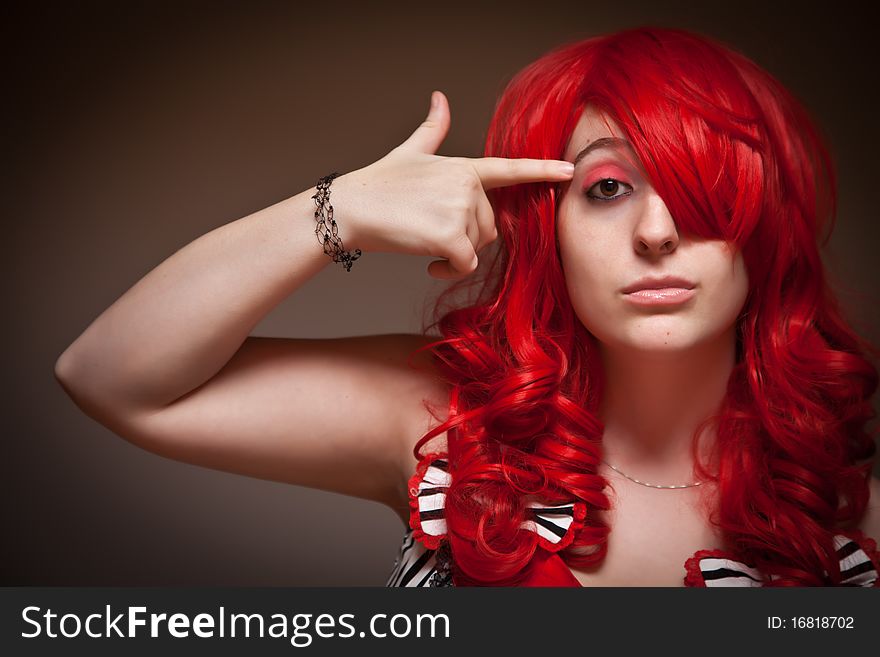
{"points": [[735, 157]]}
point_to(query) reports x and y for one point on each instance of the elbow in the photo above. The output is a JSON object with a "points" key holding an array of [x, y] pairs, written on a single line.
{"points": [[68, 370], [67, 376], [70, 375], [63, 370], [84, 384]]}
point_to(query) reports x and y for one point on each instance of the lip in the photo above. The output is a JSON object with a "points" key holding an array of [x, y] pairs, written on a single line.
{"points": [[664, 291], [667, 296], [659, 283]]}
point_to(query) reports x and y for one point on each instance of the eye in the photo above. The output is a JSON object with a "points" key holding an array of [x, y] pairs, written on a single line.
{"points": [[609, 189]]}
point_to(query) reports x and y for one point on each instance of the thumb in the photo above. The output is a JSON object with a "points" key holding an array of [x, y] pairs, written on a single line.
{"points": [[428, 136]]}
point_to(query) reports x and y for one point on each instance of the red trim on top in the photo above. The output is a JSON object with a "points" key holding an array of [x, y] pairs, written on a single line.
{"points": [[869, 547], [693, 572], [579, 513], [430, 541]]}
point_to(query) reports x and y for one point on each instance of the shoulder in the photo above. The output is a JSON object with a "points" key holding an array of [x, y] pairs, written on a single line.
{"points": [[870, 523], [424, 404], [403, 363], [411, 379], [424, 382]]}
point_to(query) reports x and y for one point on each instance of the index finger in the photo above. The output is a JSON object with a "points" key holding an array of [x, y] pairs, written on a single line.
{"points": [[502, 171]]}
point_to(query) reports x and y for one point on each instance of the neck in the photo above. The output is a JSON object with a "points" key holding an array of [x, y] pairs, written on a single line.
{"points": [[653, 403]]}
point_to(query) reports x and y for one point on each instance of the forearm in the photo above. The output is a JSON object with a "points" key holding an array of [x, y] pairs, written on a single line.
{"points": [[177, 326]]}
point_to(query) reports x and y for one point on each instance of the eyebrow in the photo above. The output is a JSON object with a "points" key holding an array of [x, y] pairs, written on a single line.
{"points": [[604, 142]]}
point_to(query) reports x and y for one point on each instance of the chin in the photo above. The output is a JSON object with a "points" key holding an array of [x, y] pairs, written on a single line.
{"points": [[662, 345], [663, 341]]}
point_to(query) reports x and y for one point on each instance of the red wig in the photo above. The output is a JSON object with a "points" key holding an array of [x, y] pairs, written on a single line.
{"points": [[735, 157]]}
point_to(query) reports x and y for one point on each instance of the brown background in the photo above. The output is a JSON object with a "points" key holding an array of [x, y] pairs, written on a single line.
{"points": [[132, 128]]}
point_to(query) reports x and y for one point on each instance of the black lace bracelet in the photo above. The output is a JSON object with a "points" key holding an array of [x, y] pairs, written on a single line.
{"points": [[326, 231]]}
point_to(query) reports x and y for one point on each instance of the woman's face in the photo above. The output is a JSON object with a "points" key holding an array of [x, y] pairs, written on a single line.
{"points": [[615, 235]]}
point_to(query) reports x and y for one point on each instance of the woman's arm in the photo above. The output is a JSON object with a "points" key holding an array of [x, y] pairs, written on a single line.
{"points": [[170, 367], [175, 328]]}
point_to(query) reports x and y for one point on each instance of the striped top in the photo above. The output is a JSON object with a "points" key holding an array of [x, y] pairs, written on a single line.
{"points": [[425, 560]]}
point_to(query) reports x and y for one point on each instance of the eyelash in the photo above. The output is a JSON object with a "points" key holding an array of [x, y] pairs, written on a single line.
{"points": [[606, 199]]}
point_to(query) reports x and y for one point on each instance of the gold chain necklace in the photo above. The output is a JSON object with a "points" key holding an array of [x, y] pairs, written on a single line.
{"points": [[643, 483]]}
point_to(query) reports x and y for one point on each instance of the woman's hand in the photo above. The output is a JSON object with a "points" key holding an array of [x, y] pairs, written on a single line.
{"points": [[413, 201]]}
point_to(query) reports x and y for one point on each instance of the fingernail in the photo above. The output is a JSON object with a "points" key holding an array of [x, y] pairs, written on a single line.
{"points": [[435, 100], [566, 168]]}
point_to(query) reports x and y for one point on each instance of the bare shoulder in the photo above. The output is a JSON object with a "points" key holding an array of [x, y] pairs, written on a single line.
{"points": [[426, 402], [425, 406], [870, 524]]}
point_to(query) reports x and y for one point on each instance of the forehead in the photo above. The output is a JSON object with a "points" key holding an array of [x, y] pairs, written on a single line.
{"points": [[591, 125]]}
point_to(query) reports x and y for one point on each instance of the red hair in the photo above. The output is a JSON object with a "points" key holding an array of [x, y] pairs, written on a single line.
{"points": [[735, 157]]}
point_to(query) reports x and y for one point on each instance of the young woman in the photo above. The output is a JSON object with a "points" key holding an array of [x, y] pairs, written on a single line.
{"points": [[654, 385]]}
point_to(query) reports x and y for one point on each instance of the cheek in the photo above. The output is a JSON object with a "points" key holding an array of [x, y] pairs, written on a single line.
{"points": [[730, 289], [590, 253], [582, 244], [582, 262], [737, 278], [741, 283], [588, 279]]}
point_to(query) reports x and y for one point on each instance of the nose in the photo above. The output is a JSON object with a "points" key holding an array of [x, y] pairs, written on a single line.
{"points": [[655, 232]]}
